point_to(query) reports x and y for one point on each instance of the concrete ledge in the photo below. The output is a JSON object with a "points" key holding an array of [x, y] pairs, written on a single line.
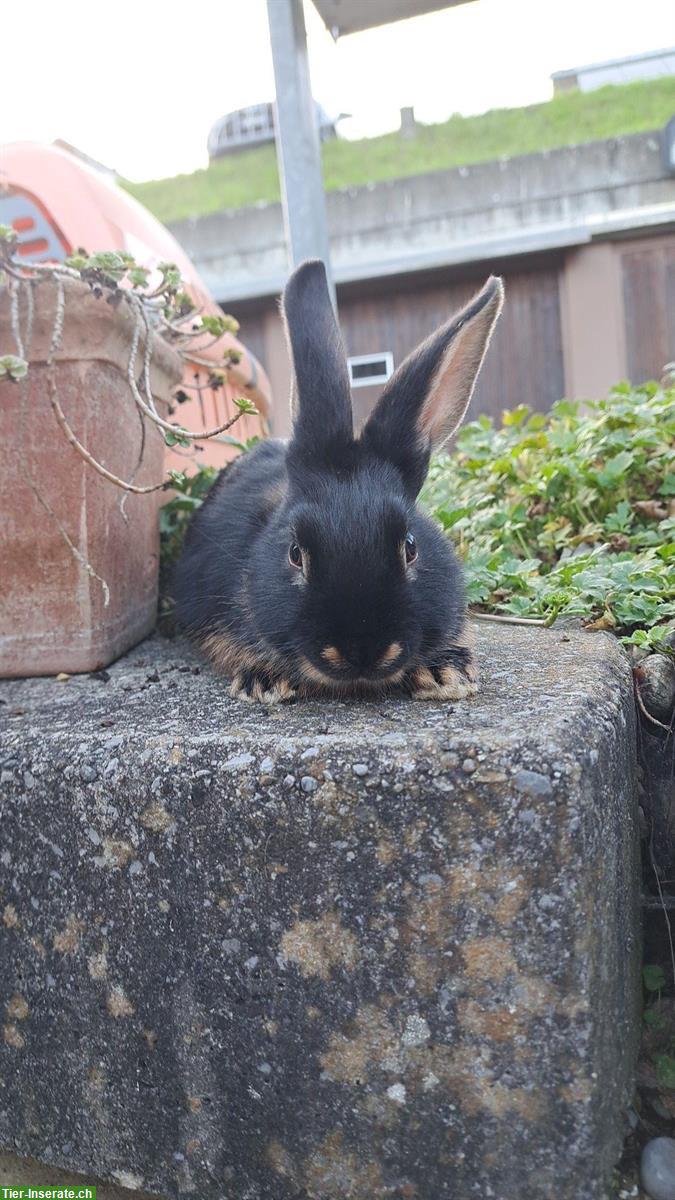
{"points": [[326, 951]]}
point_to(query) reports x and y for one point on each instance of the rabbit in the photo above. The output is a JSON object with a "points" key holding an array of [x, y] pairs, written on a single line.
{"points": [[309, 570]]}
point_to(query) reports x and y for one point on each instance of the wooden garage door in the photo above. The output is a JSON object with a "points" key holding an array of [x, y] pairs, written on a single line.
{"points": [[648, 269], [525, 362]]}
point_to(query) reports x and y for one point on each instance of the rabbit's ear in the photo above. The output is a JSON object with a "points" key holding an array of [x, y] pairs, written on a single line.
{"points": [[321, 405], [428, 395]]}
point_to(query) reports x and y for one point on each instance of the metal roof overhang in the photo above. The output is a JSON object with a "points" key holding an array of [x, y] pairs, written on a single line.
{"points": [[352, 16]]}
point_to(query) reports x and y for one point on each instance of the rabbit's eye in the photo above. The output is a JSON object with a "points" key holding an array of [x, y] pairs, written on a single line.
{"points": [[410, 549], [295, 555]]}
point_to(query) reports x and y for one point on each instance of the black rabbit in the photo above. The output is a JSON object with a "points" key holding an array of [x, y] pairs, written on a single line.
{"points": [[309, 568]]}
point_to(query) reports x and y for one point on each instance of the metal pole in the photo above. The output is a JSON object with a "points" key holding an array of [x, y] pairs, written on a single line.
{"points": [[297, 138]]}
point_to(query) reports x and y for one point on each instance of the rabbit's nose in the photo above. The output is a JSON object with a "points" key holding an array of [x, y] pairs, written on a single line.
{"points": [[359, 658]]}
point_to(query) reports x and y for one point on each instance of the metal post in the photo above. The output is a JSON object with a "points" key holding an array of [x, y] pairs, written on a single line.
{"points": [[297, 137]]}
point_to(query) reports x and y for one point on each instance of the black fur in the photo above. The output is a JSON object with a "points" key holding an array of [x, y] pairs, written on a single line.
{"points": [[349, 504]]}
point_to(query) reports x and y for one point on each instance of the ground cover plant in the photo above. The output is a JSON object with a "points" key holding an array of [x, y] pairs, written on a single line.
{"points": [[567, 119], [570, 513]]}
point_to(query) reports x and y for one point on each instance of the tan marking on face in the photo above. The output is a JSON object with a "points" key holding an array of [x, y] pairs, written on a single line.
{"points": [[391, 654], [332, 655], [310, 672]]}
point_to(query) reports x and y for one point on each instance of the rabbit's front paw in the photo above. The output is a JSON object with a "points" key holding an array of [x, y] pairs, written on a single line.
{"points": [[453, 677], [262, 687]]}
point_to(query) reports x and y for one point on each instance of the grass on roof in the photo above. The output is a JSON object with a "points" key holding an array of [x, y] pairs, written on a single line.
{"points": [[568, 119]]}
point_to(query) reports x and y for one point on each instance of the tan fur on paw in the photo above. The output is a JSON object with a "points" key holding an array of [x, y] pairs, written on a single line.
{"points": [[238, 690], [280, 693], [450, 685], [259, 691]]}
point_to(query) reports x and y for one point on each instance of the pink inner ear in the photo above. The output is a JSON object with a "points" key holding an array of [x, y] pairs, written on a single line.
{"points": [[452, 385], [451, 389]]}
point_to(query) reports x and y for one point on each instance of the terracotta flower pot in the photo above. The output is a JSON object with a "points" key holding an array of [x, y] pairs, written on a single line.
{"points": [[53, 611]]}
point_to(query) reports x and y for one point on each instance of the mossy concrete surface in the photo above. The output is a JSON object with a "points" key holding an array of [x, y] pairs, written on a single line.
{"points": [[322, 951]]}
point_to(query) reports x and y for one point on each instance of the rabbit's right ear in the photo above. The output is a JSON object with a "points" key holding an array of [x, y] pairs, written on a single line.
{"points": [[426, 398], [321, 405]]}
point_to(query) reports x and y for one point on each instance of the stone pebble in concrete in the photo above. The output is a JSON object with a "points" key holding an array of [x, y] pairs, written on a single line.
{"points": [[657, 1168]]}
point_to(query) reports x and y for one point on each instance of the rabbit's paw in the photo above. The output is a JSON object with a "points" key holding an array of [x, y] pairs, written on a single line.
{"points": [[452, 678], [261, 687]]}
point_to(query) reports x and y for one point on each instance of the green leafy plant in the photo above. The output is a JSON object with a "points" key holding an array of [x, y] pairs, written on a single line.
{"points": [[659, 1018], [159, 306], [189, 493], [653, 978], [570, 513]]}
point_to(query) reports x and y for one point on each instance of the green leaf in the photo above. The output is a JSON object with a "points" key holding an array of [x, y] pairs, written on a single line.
{"points": [[110, 262], [516, 416], [448, 518], [178, 438], [77, 261], [12, 367], [653, 1017], [139, 276], [614, 469], [665, 1070], [653, 978], [245, 405], [218, 325]]}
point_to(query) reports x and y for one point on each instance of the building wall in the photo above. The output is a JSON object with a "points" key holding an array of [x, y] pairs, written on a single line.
{"points": [[573, 324], [648, 276], [654, 65], [525, 363]]}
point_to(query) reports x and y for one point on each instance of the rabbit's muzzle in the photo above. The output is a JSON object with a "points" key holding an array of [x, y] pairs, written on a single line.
{"points": [[357, 662]]}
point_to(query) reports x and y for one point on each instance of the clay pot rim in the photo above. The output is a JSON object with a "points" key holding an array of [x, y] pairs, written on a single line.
{"points": [[93, 331]]}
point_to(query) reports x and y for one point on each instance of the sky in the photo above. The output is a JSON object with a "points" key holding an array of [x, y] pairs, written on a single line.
{"points": [[138, 84]]}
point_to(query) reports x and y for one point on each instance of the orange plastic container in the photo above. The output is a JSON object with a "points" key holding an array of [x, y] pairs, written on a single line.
{"points": [[57, 203]]}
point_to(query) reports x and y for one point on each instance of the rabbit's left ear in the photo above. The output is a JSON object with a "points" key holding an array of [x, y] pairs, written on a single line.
{"points": [[427, 396]]}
